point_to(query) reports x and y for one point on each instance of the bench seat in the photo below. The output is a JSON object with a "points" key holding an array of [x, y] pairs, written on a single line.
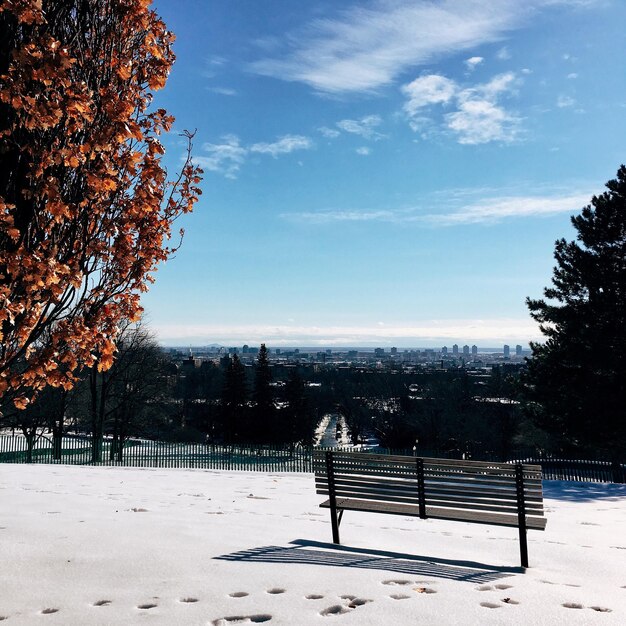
{"points": [[412, 510]]}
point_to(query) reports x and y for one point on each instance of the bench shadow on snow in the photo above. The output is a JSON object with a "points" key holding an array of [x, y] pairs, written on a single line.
{"points": [[582, 492], [316, 553]]}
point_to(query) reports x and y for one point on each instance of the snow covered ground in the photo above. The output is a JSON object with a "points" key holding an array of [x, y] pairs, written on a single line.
{"points": [[104, 545]]}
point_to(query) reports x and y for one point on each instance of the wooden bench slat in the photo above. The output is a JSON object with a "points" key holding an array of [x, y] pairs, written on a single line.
{"points": [[443, 504], [355, 470], [409, 510], [455, 501], [410, 487]]}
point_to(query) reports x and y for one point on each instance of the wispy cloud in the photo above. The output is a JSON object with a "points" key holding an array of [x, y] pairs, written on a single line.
{"points": [[497, 331], [427, 90], [223, 91], [494, 210], [329, 133], [564, 101], [365, 127], [225, 158], [473, 62], [364, 48], [229, 155], [363, 151], [456, 212], [284, 145], [367, 46], [479, 116], [503, 54]]}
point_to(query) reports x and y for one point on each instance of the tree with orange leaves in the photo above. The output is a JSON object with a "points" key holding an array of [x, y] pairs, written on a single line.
{"points": [[86, 207]]}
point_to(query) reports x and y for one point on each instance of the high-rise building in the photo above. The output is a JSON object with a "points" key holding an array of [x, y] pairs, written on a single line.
{"points": [[474, 351], [507, 351], [465, 350], [444, 351], [518, 350], [394, 351], [455, 350]]}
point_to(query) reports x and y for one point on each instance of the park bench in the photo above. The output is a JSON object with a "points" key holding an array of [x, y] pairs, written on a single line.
{"points": [[500, 494]]}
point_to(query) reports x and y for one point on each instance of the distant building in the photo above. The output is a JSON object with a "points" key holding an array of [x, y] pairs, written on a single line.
{"points": [[394, 351], [507, 351], [466, 350], [444, 351], [474, 351], [379, 352], [455, 350], [245, 349], [518, 350]]}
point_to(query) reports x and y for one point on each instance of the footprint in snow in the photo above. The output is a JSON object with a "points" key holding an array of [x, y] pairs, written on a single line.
{"points": [[572, 605], [102, 603], [601, 609], [396, 582], [49, 611], [188, 600], [147, 606], [242, 619], [490, 605], [275, 591], [239, 594]]}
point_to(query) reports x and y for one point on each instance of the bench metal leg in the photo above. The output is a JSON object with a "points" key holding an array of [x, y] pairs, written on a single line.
{"points": [[521, 513], [523, 547], [335, 520]]}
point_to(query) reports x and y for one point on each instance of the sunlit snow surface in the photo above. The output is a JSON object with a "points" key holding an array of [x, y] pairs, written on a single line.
{"points": [[100, 545]]}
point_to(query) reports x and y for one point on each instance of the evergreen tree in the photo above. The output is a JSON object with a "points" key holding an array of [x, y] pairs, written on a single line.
{"points": [[234, 402], [264, 427], [576, 381], [298, 418]]}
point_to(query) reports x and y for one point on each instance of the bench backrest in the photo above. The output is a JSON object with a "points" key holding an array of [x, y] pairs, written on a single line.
{"points": [[444, 483]]}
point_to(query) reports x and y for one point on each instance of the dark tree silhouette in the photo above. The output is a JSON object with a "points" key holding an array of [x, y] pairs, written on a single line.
{"points": [[264, 425], [234, 402], [575, 385]]}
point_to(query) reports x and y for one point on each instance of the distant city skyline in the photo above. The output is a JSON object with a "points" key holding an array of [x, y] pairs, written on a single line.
{"points": [[383, 172]]}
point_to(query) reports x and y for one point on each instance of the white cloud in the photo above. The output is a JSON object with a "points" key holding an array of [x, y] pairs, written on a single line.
{"points": [[473, 62], [363, 151], [494, 210], [564, 101], [503, 54], [435, 332], [456, 211], [331, 133], [572, 75], [368, 45], [223, 91], [226, 157], [284, 145], [427, 90], [364, 48], [365, 127], [478, 118], [480, 121]]}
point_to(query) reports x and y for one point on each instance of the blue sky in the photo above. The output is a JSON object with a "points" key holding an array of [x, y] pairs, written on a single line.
{"points": [[383, 173]]}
